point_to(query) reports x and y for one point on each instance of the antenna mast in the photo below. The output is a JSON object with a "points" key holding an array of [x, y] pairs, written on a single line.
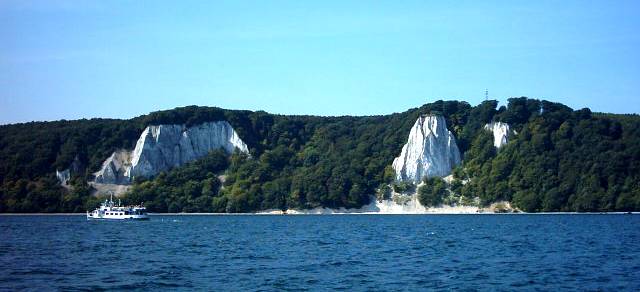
{"points": [[486, 94]]}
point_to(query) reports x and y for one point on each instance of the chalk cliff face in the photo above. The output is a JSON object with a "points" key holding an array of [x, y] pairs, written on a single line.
{"points": [[64, 176], [113, 169], [500, 133], [430, 151], [165, 146]]}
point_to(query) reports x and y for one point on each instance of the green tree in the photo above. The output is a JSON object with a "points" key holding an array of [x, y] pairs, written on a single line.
{"points": [[432, 192]]}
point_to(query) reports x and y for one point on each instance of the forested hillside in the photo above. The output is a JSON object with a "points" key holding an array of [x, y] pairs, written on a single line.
{"points": [[559, 160]]}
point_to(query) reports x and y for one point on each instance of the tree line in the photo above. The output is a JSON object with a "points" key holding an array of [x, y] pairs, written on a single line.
{"points": [[559, 160]]}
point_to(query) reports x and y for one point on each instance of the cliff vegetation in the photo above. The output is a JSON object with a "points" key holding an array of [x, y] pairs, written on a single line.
{"points": [[559, 160]]}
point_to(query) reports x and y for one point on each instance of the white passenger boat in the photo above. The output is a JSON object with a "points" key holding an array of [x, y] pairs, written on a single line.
{"points": [[108, 210]]}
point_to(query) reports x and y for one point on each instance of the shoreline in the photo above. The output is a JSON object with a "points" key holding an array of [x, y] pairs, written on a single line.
{"points": [[325, 214]]}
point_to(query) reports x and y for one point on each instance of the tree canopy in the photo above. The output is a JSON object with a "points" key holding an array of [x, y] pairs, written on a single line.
{"points": [[559, 160]]}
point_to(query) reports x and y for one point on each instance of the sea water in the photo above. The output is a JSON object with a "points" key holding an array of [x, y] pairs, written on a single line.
{"points": [[346, 252]]}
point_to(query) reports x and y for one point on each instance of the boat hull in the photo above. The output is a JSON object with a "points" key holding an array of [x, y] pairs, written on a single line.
{"points": [[116, 218]]}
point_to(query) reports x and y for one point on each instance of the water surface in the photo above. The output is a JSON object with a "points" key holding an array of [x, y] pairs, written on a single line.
{"points": [[347, 252]]}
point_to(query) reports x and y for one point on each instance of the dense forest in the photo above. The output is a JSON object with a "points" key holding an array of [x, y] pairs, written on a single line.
{"points": [[559, 160]]}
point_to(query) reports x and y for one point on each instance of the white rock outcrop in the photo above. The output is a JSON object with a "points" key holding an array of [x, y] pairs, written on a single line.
{"points": [[162, 147], [430, 151], [500, 132], [63, 176], [114, 169]]}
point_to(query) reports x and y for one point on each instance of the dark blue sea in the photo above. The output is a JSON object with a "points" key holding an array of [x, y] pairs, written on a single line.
{"points": [[340, 252]]}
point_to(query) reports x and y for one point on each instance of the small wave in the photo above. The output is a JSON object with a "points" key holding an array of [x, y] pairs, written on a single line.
{"points": [[33, 272]]}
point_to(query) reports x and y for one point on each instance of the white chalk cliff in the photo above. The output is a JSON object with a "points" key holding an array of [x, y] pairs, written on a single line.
{"points": [[114, 168], [500, 132], [63, 176], [430, 151], [162, 147]]}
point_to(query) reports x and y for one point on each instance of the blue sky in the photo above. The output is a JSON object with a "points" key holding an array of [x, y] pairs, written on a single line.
{"points": [[120, 59]]}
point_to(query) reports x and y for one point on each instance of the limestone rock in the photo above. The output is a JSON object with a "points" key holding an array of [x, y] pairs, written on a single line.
{"points": [[114, 168], [500, 132], [430, 151], [162, 147], [63, 176]]}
